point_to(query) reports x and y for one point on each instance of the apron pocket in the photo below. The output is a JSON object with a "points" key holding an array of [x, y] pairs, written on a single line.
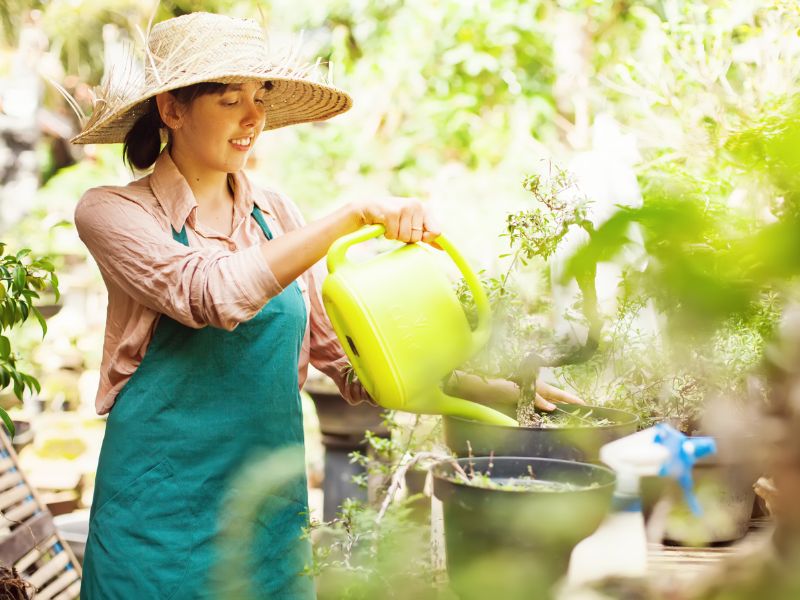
{"points": [[143, 537]]}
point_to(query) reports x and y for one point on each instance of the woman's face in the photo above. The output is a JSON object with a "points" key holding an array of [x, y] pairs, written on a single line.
{"points": [[218, 130]]}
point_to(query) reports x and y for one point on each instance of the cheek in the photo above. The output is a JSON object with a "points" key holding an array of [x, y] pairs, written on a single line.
{"points": [[263, 119]]}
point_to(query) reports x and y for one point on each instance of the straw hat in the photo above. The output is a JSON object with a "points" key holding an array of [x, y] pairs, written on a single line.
{"points": [[203, 47]]}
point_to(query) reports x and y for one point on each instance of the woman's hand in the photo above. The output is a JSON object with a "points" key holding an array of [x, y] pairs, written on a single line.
{"points": [[405, 219], [502, 391], [546, 394]]}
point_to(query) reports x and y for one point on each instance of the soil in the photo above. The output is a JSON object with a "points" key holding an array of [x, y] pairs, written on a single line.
{"points": [[529, 417]]}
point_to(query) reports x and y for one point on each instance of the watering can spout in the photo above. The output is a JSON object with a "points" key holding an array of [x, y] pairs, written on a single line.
{"points": [[444, 404]]}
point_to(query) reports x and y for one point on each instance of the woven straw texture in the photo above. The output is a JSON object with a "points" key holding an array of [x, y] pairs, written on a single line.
{"points": [[201, 47]]}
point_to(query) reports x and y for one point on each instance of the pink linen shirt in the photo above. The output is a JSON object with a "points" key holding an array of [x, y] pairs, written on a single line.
{"points": [[217, 281]]}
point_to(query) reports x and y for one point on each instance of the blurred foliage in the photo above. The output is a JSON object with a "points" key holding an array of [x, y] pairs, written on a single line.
{"points": [[706, 264], [359, 556], [22, 278], [719, 278]]}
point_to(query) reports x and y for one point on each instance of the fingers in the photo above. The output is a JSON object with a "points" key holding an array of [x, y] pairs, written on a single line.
{"points": [[417, 226], [411, 219], [555, 394], [404, 219], [543, 404], [391, 223], [430, 230]]}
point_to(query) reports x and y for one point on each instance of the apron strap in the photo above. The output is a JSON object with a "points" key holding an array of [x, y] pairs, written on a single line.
{"points": [[184, 239], [261, 221], [180, 237]]}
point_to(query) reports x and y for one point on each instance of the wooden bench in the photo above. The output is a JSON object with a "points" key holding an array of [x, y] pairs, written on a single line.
{"points": [[28, 538]]}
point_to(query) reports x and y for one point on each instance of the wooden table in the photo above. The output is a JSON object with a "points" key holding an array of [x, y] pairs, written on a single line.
{"points": [[677, 566]]}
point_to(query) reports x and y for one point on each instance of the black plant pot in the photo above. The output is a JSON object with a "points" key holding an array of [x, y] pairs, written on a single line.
{"points": [[566, 443], [420, 505], [516, 544], [343, 426]]}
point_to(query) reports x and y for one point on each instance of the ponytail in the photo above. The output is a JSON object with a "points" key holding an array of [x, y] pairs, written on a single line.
{"points": [[143, 142]]}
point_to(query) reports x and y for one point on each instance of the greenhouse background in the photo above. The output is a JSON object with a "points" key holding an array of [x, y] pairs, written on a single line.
{"points": [[623, 173]]}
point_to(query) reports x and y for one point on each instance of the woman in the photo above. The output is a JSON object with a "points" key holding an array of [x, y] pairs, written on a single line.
{"points": [[213, 311]]}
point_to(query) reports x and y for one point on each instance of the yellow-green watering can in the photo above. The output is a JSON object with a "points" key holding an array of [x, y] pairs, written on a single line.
{"points": [[402, 325]]}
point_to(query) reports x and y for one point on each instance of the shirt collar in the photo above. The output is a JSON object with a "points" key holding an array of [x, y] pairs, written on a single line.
{"points": [[245, 195], [178, 202], [172, 191]]}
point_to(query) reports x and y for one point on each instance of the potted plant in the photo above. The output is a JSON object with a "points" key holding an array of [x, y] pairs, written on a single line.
{"points": [[522, 343], [511, 523]]}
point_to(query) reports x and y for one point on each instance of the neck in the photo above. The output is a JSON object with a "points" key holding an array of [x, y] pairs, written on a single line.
{"points": [[210, 188]]}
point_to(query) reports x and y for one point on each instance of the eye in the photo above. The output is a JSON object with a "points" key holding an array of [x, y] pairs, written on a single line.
{"points": [[261, 101]]}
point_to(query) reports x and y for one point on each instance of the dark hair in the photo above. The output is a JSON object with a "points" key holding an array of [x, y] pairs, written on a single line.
{"points": [[143, 142]]}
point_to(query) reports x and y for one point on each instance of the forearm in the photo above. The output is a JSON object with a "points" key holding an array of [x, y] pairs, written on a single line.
{"points": [[290, 255]]}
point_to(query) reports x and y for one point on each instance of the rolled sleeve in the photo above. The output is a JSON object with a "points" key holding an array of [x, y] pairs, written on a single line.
{"points": [[195, 286], [257, 280]]}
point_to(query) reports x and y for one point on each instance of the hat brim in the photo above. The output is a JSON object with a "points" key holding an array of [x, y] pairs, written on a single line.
{"points": [[292, 100]]}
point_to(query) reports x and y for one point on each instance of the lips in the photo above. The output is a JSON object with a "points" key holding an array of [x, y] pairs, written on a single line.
{"points": [[242, 143]]}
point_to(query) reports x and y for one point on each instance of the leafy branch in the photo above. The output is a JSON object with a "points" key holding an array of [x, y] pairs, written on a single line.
{"points": [[22, 279], [536, 233]]}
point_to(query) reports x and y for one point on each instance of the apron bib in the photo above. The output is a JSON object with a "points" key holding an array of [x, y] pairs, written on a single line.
{"points": [[201, 403]]}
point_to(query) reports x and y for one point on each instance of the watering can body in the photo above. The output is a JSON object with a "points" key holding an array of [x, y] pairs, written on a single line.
{"points": [[402, 326]]}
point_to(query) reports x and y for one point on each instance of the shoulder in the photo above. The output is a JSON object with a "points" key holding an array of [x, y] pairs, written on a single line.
{"points": [[114, 201]]}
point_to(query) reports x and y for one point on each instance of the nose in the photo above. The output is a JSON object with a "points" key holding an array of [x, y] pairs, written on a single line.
{"points": [[253, 113]]}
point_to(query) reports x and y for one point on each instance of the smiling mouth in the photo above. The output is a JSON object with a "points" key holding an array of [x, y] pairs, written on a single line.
{"points": [[242, 143]]}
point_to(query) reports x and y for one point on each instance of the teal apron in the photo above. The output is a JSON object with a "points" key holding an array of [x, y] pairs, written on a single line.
{"points": [[200, 404]]}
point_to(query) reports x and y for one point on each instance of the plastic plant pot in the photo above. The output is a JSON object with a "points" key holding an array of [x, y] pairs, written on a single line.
{"points": [[565, 443], [516, 543]]}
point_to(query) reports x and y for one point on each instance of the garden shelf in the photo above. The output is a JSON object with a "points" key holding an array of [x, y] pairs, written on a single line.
{"points": [[28, 538]]}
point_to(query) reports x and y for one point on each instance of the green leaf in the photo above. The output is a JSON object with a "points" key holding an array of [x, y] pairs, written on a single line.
{"points": [[8, 423], [22, 253], [45, 264], [20, 278], [54, 281], [5, 347], [42, 322], [5, 377]]}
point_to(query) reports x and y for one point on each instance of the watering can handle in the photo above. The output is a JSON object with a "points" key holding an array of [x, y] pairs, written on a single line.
{"points": [[337, 257]]}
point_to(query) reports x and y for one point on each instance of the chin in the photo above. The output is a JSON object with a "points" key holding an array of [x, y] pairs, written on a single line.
{"points": [[235, 166]]}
